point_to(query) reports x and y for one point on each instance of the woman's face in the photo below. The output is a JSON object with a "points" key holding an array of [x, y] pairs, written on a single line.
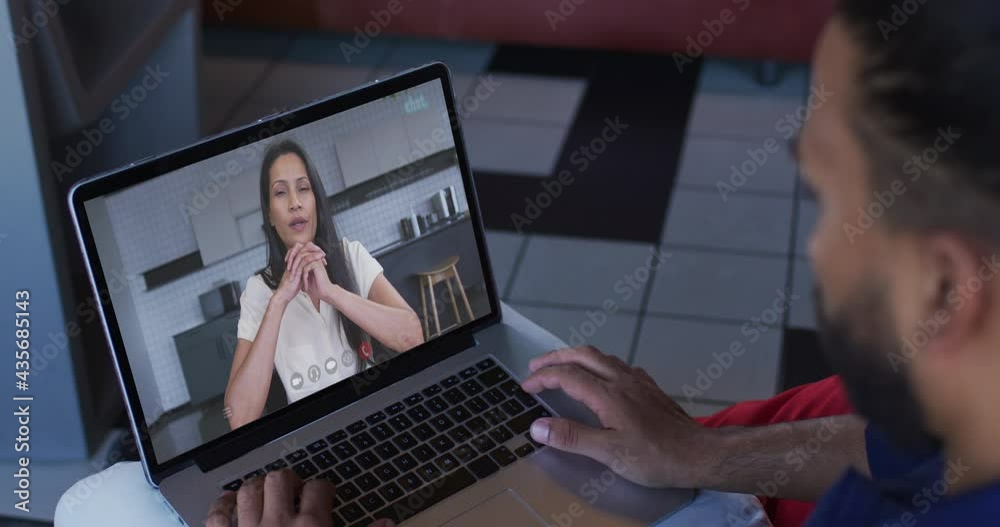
{"points": [[293, 204]]}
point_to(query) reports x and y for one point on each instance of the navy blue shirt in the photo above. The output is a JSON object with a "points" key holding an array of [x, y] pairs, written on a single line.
{"points": [[905, 491]]}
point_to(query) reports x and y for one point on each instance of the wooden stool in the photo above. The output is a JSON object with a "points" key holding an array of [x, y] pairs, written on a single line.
{"points": [[445, 272]]}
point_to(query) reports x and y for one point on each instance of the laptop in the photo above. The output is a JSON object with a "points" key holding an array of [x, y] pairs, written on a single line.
{"points": [[423, 422]]}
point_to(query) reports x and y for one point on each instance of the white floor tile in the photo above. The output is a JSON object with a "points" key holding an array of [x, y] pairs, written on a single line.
{"points": [[696, 360], [716, 115], [583, 272], [742, 221], [737, 165], [728, 286], [803, 314], [504, 248], [611, 333], [514, 148], [533, 98]]}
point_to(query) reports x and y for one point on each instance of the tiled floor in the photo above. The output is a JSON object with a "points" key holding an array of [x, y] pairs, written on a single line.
{"points": [[590, 271]]}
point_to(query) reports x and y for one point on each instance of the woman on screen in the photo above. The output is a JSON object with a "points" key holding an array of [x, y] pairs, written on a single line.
{"points": [[312, 312]]}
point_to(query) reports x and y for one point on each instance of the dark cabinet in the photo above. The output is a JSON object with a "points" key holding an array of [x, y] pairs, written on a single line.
{"points": [[206, 355]]}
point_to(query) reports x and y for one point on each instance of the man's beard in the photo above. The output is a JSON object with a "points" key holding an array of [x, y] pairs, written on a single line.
{"points": [[857, 342]]}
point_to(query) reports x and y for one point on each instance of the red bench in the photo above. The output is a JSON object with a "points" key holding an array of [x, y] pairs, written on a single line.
{"points": [[762, 29]]}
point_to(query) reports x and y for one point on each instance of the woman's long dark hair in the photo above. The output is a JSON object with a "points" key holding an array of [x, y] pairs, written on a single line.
{"points": [[326, 238]]}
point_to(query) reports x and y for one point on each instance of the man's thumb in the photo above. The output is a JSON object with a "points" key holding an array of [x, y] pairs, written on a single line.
{"points": [[571, 436]]}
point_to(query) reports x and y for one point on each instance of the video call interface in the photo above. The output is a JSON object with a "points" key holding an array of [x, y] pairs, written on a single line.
{"points": [[301, 260]]}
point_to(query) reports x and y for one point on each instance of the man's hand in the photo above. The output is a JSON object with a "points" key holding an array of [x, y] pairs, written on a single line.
{"points": [[271, 502], [647, 437]]}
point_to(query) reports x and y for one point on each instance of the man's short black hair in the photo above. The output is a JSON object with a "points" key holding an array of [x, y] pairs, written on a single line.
{"points": [[930, 69]]}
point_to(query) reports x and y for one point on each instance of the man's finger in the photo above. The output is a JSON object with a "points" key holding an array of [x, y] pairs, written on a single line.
{"points": [[220, 514], [577, 382], [584, 356], [317, 498], [384, 522], [570, 436], [250, 502], [280, 488]]}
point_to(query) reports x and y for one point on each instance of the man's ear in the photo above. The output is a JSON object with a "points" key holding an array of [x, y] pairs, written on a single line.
{"points": [[958, 291]]}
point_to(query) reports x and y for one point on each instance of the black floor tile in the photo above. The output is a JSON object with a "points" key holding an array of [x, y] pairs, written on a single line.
{"points": [[534, 60], [802, 360], [623, 191]]}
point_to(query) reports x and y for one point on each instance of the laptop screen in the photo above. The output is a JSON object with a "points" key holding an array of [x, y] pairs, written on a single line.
{"points": [[251, 280]]}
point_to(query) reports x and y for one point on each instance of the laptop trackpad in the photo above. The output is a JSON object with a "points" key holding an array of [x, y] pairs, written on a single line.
{"points": [[504, 509]]}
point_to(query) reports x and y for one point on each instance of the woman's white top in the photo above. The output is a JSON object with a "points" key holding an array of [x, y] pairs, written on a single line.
{"points": [[312, 351]]}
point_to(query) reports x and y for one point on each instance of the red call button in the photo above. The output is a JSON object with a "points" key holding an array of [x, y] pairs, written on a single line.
{"points": [[365, 351]]}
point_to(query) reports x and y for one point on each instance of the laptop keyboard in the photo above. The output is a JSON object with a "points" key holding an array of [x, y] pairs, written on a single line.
{"points": [[421, 450]]}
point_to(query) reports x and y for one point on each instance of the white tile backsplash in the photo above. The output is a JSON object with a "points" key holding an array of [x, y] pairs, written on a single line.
{"points": [[168, 310], [376, 223]]}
